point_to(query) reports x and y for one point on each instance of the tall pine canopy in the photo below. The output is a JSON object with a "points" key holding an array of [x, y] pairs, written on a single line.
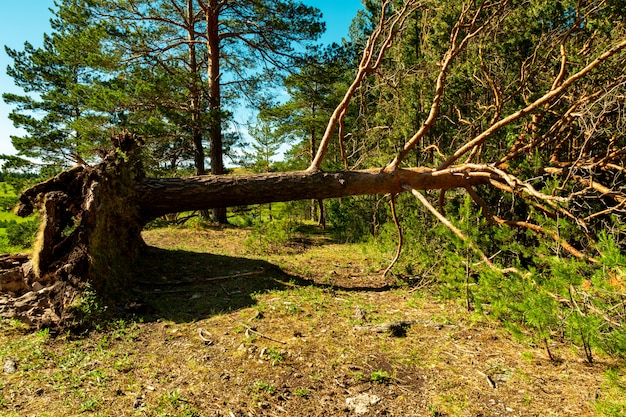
{"points": [[170, 70]]}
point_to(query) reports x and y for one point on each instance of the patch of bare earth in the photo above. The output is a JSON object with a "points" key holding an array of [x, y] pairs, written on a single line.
{"points": [[311, 331]]}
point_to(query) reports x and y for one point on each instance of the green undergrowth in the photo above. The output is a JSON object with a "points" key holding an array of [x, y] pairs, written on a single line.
{"points": [[16, 233]]}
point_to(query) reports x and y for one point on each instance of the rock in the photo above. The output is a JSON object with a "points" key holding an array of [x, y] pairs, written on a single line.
{"points": [[360, 314], [12, 280], [10, 367], [360, 403]]}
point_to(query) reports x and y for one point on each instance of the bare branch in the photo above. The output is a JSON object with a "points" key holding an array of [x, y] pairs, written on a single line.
{"points": [[370, 61], [453, 51], [448, 224], [392, 202], [549, 97]]}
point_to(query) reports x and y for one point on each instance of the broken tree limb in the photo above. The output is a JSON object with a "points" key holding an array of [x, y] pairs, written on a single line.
{"points": [[195, 281]]}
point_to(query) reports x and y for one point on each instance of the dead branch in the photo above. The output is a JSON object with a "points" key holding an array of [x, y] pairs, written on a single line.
{"points": [[454, 50], [371, 59], [552, 234], [251, 330], [394, 215], [449, 224], [195, 281], [549, 97]]}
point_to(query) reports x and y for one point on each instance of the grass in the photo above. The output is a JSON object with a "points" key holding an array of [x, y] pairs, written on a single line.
{"points": [[274, 334]]}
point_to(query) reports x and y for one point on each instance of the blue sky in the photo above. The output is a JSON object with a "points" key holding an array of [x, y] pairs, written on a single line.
{"points": [[28, 20]]}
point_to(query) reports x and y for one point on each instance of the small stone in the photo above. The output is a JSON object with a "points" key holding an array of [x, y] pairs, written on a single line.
{"points": [[10, 367], [360, 314], [360, 403]]}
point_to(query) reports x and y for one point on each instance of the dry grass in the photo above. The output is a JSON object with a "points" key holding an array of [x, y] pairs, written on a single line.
{"points": [[287, 339]]}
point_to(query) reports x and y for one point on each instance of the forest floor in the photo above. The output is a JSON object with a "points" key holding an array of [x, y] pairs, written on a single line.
{"points": [[305, 329]]}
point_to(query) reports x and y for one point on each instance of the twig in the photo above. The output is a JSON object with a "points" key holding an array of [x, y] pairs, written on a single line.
{"points": [[250, 329], [448, 224], [205, 336], [220, 278], [400, 238]]}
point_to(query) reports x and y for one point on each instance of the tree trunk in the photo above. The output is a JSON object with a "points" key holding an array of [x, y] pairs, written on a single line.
{"points": [[215, 96], [159, 196], [197, 134], [321, 220]]}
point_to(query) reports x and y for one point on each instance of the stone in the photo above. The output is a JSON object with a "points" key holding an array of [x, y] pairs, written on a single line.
{"points": [[10, 367], [361, 402]]}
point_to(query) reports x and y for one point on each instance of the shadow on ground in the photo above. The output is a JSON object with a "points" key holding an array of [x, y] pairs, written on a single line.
{"points": [[184, 286]]}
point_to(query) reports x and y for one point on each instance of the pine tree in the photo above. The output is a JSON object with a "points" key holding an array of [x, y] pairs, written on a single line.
{"points": [[62, 81], [219, 51]]}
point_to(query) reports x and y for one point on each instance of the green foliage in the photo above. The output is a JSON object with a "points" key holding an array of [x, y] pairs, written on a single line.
{"points": [[172, 403], [7, 202], [550, 296], [380, 377], [89, 309], [275, 356], [262, 386], [613, 401], [17, 234], [264, 147], [356, 219], [302, 392], [62, 82], [314, 92], [270, 236], [20, 234], [109, 65]]}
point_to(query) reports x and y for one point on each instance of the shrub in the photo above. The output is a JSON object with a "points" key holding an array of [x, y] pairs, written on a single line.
{"points": [[21, 234]]}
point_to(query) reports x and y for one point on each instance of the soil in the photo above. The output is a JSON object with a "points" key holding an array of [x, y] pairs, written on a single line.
{"points": [[302, 329]]}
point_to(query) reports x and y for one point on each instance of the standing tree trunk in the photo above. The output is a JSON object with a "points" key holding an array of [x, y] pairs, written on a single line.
{"points": [[215, 110], [195, 93], [197, 134]]}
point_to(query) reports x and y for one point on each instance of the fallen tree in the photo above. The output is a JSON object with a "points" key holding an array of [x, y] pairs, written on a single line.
{"points": [[92, 219], [92, 216]]}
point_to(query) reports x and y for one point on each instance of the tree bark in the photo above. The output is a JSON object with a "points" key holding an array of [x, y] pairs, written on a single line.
{"points": [[215, 96], [159, 196]]}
